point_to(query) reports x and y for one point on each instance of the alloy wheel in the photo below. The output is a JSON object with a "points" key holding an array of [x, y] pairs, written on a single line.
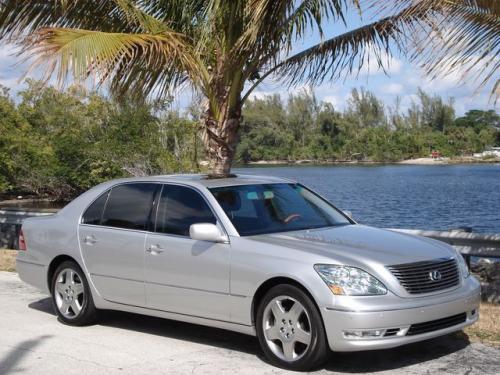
{"points": [[287, 328], [69, 293]]}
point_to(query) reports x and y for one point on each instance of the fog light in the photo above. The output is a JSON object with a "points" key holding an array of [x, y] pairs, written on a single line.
{"points": [[363, 334], [473, 312]]}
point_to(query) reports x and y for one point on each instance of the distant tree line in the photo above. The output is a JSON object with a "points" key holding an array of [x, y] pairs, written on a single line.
{"points": [[302, 127], [60, 143]]}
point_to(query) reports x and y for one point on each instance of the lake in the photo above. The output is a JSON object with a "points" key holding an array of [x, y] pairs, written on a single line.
{"points": [[406, 196]]}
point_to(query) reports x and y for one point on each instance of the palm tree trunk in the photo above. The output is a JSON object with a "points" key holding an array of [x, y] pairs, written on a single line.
{"points": [[220, 138]]}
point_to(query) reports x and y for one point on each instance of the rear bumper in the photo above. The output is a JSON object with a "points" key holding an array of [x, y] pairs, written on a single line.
{"points": [[339, 325], [33, 274]]}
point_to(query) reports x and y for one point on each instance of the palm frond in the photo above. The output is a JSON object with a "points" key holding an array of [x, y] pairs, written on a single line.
{"points": [[115, 56], [272, 27], [347, 53], [282, 21], [24, 17], [135, 15], [467, 41], [462, 36]]}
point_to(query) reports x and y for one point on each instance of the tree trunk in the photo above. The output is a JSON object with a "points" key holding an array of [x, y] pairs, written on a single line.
{"points": [[220, 138]]}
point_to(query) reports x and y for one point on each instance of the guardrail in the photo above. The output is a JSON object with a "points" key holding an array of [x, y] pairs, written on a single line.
{"points": [[469, 244], [10, 224]]}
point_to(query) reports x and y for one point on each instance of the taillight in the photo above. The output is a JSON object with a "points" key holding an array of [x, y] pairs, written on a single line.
{"points": [[22, 242]]}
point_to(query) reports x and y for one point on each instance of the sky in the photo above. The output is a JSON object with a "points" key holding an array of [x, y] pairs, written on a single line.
{"points": [[400, 79]]}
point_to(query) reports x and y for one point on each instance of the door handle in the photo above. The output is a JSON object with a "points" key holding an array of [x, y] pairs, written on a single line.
{"points": [[90, 240], [154, 249]]}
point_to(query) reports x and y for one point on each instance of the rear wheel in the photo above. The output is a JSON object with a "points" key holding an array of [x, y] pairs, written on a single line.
{"points": [[71, 295], [290, 329]]}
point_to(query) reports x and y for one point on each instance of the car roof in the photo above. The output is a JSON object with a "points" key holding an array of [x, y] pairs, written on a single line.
{"points": [[206, 181]]}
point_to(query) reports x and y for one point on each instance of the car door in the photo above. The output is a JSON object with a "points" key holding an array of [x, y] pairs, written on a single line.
{"points": [[112, 235], [183, 275]]}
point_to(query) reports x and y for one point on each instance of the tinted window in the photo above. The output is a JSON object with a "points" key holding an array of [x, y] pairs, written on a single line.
{"points": [[93, 215], [179, 207], [267, 208], [129, 206]]}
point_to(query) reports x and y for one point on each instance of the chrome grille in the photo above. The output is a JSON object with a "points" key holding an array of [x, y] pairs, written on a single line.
{"points": [[417, 278]]}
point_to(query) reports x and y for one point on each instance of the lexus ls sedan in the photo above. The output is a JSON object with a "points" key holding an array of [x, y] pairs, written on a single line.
{"points": [[262, 256]]}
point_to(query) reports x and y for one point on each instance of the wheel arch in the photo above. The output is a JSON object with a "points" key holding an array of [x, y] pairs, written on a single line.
{"points": [[272, 282], [54, 264]]}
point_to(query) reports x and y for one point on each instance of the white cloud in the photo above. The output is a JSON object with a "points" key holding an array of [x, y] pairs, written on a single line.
{"points": [[392, 88], [15, 69], [333, 100], [444, 83], [8, 55], [11, 71], [12, 83]]}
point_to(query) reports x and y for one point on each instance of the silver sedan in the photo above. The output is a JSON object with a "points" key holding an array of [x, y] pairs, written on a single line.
{"points": [[258, 255]]}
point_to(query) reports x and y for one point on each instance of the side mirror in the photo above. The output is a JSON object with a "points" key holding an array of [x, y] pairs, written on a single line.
{"points": [[347, 213], [207, 232]]}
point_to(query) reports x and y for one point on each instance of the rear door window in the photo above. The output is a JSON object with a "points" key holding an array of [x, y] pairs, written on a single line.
{"points": [[179, 207], [129, 206]]}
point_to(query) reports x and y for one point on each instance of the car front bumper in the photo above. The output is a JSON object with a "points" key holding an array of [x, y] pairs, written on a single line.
{"points": [[343, 326]]}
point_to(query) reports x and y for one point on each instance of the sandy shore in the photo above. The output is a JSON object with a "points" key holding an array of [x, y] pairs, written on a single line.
{"points": [[440, 161], [426, 161], [416, 161]]}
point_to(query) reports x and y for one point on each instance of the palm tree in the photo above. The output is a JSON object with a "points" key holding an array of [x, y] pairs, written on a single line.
{"points": [[223, 49]]}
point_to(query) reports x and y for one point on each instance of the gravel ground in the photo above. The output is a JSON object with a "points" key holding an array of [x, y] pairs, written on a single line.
{"points": [[32, 341]]}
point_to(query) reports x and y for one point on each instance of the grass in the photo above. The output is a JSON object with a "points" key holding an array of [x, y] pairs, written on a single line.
{"points": [[7, 260], [486, 330]]}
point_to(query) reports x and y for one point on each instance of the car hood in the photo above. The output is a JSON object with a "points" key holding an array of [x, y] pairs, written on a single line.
{"points": [[360, 244]]}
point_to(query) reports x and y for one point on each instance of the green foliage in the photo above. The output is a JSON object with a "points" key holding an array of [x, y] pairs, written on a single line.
{"points": [[366, 109], [61, 143], [366, 130], [434, 113], [479, 120]]}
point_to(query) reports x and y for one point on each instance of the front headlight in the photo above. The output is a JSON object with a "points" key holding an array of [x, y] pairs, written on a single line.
{"points": [[349, 281], [464, 268]]}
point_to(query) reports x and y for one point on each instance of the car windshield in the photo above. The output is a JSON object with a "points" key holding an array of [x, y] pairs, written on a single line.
{"points": [[271, 208]]}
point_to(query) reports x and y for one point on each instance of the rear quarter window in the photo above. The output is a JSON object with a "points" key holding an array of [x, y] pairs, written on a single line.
{"points": [[93, 214]]}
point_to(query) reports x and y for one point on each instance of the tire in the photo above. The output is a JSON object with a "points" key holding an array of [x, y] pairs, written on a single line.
{"points": [[71, 296], [290, 329]]}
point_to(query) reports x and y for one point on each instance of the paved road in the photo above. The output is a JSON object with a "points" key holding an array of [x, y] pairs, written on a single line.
{"points": [[33, 342]]}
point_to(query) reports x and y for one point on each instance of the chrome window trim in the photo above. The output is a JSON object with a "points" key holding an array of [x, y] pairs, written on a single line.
{"points": [[117, 228], [220, 223]]}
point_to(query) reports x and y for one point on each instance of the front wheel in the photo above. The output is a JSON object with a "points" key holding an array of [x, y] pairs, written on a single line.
{"points": [[71, 295], [290, 329]]}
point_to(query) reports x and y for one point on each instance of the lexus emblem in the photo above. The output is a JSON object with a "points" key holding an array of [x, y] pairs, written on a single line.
{"points": [[435, 275]]}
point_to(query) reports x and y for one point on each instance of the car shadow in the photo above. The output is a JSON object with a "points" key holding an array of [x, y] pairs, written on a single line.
{"points": [[397, 358], [351, 363], [168, 328]]}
